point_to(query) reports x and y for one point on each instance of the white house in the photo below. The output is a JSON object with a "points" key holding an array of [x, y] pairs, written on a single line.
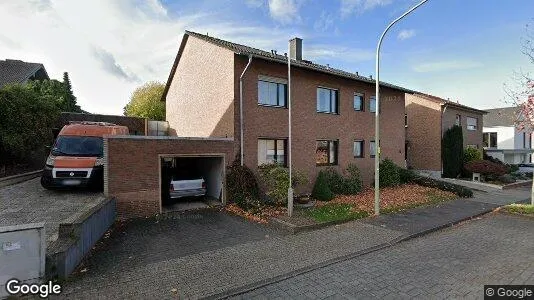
{"points": [[502, 140]]}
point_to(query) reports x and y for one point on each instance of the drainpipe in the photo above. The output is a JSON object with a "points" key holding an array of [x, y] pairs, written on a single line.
{"points": [[241, 107]]}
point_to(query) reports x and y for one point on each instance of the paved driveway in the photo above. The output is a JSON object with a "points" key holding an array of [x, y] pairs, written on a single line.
{"points": [[453, 263], [28, 202]]}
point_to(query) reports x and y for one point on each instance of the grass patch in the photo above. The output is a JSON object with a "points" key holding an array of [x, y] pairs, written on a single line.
{"points": [[335, 212], [524, 209]]}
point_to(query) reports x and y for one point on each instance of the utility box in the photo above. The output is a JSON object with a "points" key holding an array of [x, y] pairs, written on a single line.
{"points": [[22, 254]]}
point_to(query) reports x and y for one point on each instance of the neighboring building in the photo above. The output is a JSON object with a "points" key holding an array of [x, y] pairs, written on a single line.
{"points": [[332, 110], [502, 140], [428, 117], [18, 71]]}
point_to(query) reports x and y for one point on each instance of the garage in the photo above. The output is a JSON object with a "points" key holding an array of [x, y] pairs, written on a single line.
{"points": [[191, 181]]}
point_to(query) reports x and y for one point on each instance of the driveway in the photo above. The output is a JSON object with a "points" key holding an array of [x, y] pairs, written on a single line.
{"points": [[28, 202]]}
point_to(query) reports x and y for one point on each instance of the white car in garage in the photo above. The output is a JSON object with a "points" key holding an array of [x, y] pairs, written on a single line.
{"points": [[180, 188], [526, 168]]}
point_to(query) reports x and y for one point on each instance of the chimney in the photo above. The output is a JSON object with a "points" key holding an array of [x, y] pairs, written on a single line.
{"points": [[295, 48]]}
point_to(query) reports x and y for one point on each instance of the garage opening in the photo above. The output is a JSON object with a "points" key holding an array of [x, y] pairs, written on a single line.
{"points": [[191, 182]]}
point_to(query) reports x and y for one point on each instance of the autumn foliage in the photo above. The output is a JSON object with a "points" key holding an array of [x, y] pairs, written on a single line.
{"points": [[486, 167]]}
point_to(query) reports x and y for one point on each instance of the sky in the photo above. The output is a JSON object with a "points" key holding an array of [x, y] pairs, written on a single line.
{"points": [[461, 50]]}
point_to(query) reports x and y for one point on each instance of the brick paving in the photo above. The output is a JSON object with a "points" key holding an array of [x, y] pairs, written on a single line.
{"points": [[133, 273], [452, 263], [28, 202]]}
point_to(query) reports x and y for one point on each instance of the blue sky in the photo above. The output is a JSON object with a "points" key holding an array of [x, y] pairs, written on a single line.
{"points": [[457, 49]]}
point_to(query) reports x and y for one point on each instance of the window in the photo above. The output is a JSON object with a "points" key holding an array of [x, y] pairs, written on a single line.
{"points": [[327, 100], [358, 102], [372, 104], [272, 93], [372, 148], [458, 120], [490, 139], [272, 151], [358, 148], [326, 153], [471, 123]]}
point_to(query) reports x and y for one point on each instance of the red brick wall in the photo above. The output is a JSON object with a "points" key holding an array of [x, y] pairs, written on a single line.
{"points": [[471, 137], [423, 133], [132, 169], [309, 126]]}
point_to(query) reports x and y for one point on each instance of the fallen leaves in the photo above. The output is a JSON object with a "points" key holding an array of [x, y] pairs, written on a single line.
{"points": [[261, 216]]}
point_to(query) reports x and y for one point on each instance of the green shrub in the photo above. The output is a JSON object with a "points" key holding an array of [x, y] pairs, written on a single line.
{"points": [[353, 180], [513, 168], [507, 178], [389, 173], [275, 179], [406, 175], [334, 180], [321, 191], [242, 186], [471, 154], [452, 152], [459, 190]]}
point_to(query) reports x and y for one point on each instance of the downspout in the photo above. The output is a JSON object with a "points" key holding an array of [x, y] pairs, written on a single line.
{"points": [[241, 108], [441, 140]]}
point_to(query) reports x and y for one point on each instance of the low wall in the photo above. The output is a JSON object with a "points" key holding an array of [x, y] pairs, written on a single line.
{"points": [[77, 238], [10, 180], [132, 167]]}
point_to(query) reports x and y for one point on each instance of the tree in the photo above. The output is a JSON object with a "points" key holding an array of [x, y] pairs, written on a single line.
{"points": [[145, 102], [521, 94], [27, 119], [69, 100], [452, 150]]}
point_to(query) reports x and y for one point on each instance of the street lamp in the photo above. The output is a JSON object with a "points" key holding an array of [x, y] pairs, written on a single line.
{"points": [[377, 105]]}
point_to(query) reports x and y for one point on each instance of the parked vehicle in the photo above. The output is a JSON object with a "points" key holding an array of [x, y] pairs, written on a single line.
{"points": [[526, 168], [77, 158], [187, 188]]}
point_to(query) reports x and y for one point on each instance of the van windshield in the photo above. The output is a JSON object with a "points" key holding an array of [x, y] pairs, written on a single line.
{"points": [[78, 146]]}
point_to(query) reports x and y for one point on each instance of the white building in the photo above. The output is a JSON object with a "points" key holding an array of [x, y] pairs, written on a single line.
{"points": [[502, 140]]}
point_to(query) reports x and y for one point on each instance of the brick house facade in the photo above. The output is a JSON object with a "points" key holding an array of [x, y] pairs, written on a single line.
{"points": [[428, 117], [203, 97]]}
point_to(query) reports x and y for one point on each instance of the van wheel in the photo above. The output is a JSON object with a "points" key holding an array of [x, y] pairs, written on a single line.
{"points": [[45, 182]]}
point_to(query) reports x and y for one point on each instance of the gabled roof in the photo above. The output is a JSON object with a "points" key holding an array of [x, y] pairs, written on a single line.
{"points": [[453, 104], [18, 71], [266, 55], [505, 116]]}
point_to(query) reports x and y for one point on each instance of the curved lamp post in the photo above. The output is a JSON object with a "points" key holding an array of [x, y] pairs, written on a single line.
{"points": [[377, 106]]}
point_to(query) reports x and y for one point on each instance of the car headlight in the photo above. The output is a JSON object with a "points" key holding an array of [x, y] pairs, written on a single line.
{"points": [[50, 160], [99, 162]]}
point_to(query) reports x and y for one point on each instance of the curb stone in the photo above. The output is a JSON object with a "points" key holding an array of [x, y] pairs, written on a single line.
{"points": [[256, 285]]}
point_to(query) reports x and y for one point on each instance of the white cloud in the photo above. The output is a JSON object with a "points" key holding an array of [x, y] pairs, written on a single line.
{"points": [[406, 34], [325, 22], [448, 65], [285, 11], [255, 3], [112, 46], [329, 52], [349, 7]]}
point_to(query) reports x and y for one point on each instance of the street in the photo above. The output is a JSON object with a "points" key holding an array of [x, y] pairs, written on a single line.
{"points": [[452, 263]]}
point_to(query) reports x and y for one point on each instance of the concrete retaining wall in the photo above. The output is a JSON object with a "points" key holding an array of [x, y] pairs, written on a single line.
{"points": [[77, 238]]}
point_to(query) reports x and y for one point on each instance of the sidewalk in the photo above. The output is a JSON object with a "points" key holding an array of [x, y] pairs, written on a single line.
{"points": [[239, 268]]}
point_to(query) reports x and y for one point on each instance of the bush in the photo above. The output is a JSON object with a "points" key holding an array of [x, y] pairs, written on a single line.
{"points": [[471, 154], [389, 173], [444, 186], [349, 183], [452, 152], [513, 168], [406, 175], [507, 178], [275, 179], [242, 186], [486, 168], [353, 181], [321, 191]]}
